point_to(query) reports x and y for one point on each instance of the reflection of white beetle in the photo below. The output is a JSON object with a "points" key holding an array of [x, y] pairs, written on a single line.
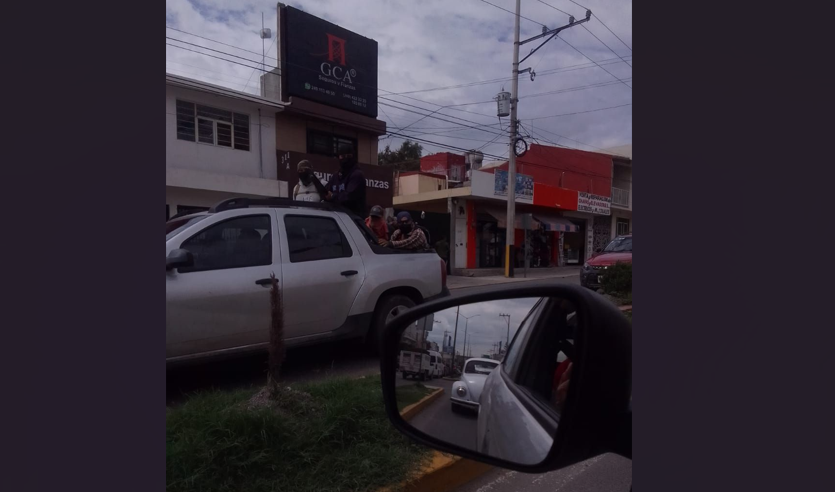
{"points": [[467, 390]]}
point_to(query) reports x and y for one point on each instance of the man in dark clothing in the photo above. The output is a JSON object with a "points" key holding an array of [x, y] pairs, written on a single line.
{"points": [[347, 187]]}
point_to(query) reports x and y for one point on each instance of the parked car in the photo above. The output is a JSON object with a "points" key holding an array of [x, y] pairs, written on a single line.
{"points": [[467, 391], [415, 364], [335, 280], [617, 251]]}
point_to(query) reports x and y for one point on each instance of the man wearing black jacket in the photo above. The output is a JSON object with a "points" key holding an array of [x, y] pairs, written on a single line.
{"points": [[347, 187]]}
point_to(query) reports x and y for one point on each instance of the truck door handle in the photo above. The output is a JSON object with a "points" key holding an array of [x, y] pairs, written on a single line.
{"points": [[264, 281], [348, 273]]}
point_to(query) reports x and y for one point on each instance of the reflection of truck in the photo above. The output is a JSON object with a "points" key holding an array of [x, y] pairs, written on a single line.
{"points": [[416, 364], [436, 361]]}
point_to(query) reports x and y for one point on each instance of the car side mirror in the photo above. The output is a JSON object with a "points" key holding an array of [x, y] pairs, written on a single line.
{"points": [[179, 258], [545, 376]]}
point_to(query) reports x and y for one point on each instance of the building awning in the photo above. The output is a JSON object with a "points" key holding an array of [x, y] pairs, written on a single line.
{"points": [[518, 219], [552, 223]]}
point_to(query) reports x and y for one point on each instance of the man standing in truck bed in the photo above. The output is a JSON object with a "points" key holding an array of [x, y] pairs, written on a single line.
{"points": [[347, 187]]}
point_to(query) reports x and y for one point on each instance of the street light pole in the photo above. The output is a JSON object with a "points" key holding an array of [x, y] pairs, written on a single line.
{"points": [[455, 335], [466, 325]]}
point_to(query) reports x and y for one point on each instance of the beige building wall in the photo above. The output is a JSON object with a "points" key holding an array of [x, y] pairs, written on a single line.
{"points": [[418, 183], [291, 134]]}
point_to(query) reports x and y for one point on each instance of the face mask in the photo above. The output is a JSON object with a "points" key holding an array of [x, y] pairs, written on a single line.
{"points": [[405, 228], [304, 178], [345, 164]]}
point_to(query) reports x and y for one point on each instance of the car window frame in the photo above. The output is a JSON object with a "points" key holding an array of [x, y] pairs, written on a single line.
{"points": [[520, 337], [271, 232], [338, 223]]}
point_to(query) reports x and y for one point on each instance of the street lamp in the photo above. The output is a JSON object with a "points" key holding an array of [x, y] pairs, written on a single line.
{"points": [[465, 330]]}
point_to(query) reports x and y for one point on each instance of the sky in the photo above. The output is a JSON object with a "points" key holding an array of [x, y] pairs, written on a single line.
{"points": [[484, 326], [432, 44]]}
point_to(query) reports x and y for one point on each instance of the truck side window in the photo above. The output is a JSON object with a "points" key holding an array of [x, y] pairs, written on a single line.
{"points": [[235, 243], [315, 238]]}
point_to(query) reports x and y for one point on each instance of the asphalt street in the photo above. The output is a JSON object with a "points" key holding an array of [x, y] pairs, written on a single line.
{"points": [[439, 421]]}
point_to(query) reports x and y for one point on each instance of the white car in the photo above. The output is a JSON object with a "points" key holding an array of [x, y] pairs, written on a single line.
{"points": [[335, 281], [467, 391]]}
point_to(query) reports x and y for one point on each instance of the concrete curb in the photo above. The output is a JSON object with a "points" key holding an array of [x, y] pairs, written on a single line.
{"points": [[445, 473], [409, 412]]}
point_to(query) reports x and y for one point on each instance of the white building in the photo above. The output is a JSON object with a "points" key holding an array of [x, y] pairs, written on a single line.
{"points": [[219, 143]]}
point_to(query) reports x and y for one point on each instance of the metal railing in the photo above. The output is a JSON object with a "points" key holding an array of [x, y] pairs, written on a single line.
{"points": [[620, 197]]}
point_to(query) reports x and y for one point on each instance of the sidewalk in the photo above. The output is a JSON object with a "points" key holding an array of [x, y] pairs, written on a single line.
{"points": [[572, 275]]}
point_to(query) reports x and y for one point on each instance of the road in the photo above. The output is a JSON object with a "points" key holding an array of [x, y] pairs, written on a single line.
{"points": [[605, 473], [439, 421], [348, 359]]}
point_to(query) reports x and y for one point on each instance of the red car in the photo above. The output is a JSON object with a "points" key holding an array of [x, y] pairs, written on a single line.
{"points": [[618, 251]]}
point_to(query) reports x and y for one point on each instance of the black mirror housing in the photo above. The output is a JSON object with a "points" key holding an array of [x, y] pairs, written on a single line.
{"points": [[597, 417], [179, 258]]}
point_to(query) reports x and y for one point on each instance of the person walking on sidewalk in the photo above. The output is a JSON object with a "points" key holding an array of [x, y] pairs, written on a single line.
{"points": [[347, 187], [378, 226], [309, 188], [407, 235]]}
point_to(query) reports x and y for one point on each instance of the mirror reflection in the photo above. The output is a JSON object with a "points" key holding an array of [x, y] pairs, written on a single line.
{"points": [[491, 377]]}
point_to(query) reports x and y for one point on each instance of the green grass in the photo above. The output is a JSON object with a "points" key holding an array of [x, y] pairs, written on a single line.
{"points": [[408, 394], [336, 439]]}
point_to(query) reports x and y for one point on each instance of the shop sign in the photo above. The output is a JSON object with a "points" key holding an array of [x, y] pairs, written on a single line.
{"points": [[595, 204], [489, 185], [328, 64]]}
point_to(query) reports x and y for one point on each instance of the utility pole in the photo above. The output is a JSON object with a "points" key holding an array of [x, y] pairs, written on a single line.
{"points": [[510, 253], [508, 327]]}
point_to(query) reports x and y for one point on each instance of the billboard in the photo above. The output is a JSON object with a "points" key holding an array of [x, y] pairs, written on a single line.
{"points": [[325, 63], [379, 180]]}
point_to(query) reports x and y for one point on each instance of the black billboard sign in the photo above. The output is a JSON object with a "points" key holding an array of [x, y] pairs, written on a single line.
{"points": [[325, 63]]}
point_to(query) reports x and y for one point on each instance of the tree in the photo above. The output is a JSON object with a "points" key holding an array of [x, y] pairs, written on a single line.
{"points": [[406, 158]]}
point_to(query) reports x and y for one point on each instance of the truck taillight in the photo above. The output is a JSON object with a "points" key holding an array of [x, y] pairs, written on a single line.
{"points": [[443, 273]]}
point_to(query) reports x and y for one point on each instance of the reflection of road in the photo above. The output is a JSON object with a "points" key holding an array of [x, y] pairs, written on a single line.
{"points": [[437, 419]]}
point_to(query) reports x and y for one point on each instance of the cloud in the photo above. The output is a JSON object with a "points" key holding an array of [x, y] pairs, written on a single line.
{"points": [[435, 43]]}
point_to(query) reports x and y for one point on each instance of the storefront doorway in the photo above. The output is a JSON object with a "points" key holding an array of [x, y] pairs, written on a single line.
{"points": [[574, 244], [490, 241]]}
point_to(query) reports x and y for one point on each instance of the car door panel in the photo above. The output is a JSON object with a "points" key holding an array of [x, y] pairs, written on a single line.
{"points": [[319, 280], [220, 309]]}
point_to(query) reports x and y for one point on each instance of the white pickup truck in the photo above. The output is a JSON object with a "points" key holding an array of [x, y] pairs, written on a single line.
{"points": [[335, 281]]}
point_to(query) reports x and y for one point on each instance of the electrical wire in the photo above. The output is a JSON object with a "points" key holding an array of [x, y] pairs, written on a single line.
{"points": [[514, 13], [215, 41]]}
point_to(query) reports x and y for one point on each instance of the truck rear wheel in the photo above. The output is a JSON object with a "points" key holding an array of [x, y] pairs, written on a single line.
{"points": [[387, 308]]}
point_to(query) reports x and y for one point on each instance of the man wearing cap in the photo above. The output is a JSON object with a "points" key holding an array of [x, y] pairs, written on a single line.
{"points": [[407, 236], [347, 187], [309, 188], [375, 222]]}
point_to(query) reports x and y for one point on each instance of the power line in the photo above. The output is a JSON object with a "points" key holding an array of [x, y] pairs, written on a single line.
{"points": [[514, 13], [604, 25], [215, 41], [253, 72], [580, 112], [548, 4], [578, 51], [606, 45]]}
